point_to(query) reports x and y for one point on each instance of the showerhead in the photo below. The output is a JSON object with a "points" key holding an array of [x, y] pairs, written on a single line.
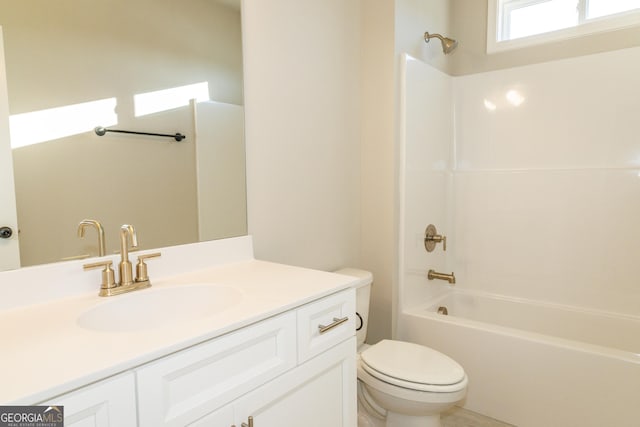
{"points": [[448, 45]]}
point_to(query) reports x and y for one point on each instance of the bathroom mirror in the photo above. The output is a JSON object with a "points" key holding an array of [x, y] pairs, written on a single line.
{"points": [[156, 66]]}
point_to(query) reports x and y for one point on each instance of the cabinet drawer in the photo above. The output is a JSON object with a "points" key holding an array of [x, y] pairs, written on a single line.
{"points": [[325, 323], [183, 387]]}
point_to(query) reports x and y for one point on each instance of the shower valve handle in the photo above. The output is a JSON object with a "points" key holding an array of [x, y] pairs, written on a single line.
{"points": [[431, 237]]}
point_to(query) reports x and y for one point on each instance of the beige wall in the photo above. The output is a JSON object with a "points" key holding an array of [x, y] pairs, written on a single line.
{"points": [[378, 155], [220, 166], [390, 27], [68, 52], [320, 115], [415, 17], [469, 26], [302, 100]]}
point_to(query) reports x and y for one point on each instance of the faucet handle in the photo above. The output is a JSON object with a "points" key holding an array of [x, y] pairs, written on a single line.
{"points": [[431, 237], [141, 266], [108, 275]]}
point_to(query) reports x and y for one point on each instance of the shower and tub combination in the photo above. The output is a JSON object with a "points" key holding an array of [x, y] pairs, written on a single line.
{"points": [[533, 363], [538, 195]]}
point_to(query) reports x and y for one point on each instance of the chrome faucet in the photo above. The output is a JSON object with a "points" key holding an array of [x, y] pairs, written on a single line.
{"points": [[109, 286], [93, 223]]}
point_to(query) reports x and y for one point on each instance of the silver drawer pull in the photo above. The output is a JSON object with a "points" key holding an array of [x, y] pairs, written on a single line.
{"points": [[336, 322]]}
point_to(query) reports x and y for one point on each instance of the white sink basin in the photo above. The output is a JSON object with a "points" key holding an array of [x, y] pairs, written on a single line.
{"points": [[157, 307]]}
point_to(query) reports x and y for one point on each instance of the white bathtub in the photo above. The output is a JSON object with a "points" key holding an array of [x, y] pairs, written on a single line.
{"points": [[536, 364]]}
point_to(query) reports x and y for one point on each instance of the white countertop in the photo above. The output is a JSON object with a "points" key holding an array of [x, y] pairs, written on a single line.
{"points": [[44, 352]]}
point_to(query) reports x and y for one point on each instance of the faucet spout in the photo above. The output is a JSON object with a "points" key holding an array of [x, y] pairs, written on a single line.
{"points": [[432, 274], [96, 224], [128, 240]]}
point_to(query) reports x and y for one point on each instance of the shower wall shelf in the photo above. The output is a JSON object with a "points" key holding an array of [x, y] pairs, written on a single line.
{"points": [[101, 131]]}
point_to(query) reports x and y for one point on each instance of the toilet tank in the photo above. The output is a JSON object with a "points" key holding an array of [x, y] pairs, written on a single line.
{"points": [[363, 293]]}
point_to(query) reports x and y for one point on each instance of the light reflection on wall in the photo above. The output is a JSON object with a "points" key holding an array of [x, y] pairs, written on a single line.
{"points": [[60, 122], [54, 123], [490, 105], [512, 97], [167, 99]]}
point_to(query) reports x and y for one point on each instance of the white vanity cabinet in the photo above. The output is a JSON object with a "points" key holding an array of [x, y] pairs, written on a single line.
{"points": [[319, 393], [281, 372], [108, 403], [279, 350], [181, 388]]}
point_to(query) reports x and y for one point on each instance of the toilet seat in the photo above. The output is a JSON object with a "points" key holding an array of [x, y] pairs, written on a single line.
{"points": [[413, 366]]}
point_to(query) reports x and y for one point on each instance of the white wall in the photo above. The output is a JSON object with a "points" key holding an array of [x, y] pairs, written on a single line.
{"points": [[547, 194], [302, 98]]}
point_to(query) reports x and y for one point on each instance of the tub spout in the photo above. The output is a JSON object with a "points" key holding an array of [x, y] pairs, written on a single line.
{"points": [[432, 274]]}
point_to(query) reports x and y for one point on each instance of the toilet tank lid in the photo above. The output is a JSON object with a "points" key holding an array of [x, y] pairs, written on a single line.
{"points": [[365, 277]]}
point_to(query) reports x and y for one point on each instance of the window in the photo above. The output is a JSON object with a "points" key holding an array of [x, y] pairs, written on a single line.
{"points": [[518, 23]]}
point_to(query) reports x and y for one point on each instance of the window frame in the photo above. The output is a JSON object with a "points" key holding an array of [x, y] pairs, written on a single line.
{"points": [[496, 27]]}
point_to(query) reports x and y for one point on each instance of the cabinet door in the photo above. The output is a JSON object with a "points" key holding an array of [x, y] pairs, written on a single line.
{"points": [[184, 387], [109, 403], [318, 393]]}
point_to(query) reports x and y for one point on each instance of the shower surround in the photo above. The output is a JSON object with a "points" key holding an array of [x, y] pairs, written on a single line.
{"points": [[533, 174]]}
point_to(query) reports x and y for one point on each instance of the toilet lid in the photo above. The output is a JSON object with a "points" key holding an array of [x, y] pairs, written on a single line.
{"points": [[413, 363]]}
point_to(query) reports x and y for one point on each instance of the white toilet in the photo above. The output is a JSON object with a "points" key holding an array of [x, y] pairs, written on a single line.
{"points": [[401, 384]]}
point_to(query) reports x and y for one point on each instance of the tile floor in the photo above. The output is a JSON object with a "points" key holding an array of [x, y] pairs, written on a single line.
{"points": [[458, 417]]}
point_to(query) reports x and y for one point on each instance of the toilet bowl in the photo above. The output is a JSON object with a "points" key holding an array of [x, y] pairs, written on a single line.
{"points": [[412, 383], [401, 384]]}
